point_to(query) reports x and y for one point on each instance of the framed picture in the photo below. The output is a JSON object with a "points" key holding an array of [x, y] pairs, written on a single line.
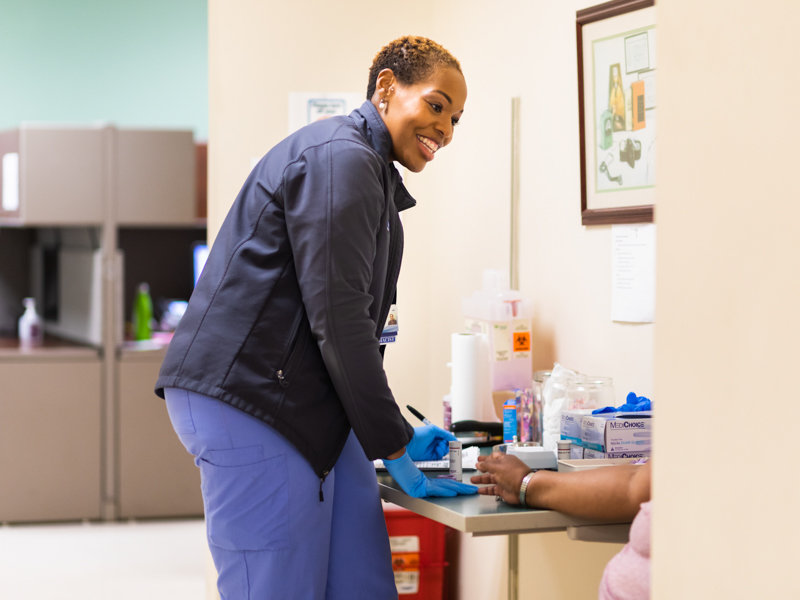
{"points": [[617, 69]]}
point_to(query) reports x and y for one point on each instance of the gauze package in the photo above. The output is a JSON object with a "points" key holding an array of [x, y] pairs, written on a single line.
{"points": [[555, 401]]}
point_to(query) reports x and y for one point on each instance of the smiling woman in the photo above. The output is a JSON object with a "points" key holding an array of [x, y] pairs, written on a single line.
{"points": [[274, 379], [420, 91]]}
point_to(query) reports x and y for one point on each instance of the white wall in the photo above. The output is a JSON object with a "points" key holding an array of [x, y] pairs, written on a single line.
{"points": [[727, 525], [525, 49]]}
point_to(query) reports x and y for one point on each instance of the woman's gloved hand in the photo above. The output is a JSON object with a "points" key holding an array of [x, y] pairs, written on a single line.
{"points": [[429, 443], [415, 484]]}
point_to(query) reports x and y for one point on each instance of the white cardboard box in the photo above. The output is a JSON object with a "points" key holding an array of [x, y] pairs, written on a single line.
{"points": [[612, 433], [566, 466], [571, 424], [592, 454]]}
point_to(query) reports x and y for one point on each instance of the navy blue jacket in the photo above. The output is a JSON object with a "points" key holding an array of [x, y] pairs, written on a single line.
{"points": [[284, 323]]}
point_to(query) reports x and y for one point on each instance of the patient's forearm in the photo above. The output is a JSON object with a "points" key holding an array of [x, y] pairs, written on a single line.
{"points": [[608, 493]]}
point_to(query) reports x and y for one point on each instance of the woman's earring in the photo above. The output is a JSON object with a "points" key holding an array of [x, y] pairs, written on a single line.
{"points": [[382, 103]]}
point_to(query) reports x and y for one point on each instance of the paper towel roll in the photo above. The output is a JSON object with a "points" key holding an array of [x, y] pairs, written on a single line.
{"points": [[470, 389]]}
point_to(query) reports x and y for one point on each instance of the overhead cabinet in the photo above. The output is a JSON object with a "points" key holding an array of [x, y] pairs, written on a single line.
{"points": [[53, 175], [155, 177], [65, 176]]}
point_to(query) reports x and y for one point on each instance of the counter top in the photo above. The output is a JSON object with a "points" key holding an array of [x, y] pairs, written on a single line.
{"points": [[52, 349], [485, 515]]}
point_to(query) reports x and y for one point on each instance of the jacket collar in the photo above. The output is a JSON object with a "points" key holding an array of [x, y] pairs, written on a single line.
{"points": [[371, 125]]}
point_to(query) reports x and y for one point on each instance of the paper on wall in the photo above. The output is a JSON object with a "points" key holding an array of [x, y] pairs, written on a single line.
{"points": [[307, 107], [633, 273]]}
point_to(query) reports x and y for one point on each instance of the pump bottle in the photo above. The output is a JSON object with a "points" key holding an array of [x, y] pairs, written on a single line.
{"points": [[30, 329]]}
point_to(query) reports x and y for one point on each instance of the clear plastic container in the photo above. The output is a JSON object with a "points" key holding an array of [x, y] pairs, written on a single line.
{"points": [[539, 379], [594, 393]]}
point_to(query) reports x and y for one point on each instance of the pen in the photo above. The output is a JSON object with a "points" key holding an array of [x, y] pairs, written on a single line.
{"points": [[418, 414]]}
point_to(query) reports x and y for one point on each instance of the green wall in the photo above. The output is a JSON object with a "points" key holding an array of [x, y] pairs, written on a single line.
{"points": [[136, 63]]}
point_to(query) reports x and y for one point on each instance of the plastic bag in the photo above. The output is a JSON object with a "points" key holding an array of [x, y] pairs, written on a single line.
{"points": [[555, 402]]}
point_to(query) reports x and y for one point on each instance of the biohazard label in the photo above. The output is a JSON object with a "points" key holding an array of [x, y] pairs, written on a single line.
{"points": [[521, 338], [522, 341], [405, 561]]}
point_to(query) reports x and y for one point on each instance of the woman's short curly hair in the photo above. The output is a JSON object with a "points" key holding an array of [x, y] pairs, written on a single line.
{"points": [[412, 59]]}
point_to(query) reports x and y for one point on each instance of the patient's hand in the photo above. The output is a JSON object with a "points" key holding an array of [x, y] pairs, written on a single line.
{"points": [[503, 473]]}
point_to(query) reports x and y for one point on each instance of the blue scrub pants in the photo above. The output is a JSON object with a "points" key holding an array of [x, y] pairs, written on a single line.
{"points": [[269, 534]]}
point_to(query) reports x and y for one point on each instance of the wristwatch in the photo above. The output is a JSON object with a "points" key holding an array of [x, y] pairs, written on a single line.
{"points": [[524, 488]]}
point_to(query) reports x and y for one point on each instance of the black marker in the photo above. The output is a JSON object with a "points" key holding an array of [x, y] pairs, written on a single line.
{"points": [[418, 414]]}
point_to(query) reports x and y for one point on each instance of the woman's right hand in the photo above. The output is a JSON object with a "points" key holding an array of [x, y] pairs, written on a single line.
{"points": [[503, 473], [416, 485]]}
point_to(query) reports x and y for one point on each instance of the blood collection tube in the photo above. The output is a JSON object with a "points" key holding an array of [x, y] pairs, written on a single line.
{"points": [[455, 460]]}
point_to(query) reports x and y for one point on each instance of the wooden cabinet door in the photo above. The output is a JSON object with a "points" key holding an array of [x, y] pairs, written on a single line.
{"points": [[157, 475], [50, 440]]}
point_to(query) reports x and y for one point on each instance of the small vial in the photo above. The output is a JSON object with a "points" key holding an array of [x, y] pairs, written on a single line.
{"points": [[563, 449], [455, 460]]}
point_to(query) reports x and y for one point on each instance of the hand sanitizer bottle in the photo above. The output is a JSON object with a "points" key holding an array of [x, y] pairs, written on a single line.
{"points": [[143, 314], [30, 326]]}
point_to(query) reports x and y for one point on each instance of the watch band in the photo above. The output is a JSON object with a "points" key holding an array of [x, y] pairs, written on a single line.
{"points": [[524, 488]]}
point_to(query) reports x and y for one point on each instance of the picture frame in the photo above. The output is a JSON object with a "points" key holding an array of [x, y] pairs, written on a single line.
{"points": [[617, 111]]}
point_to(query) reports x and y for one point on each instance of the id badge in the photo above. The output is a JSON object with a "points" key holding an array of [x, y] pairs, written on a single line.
{"points": [[389, 335]]}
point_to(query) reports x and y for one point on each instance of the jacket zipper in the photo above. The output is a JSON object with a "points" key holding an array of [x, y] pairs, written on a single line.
{"points": [[295, 340], [391, 275], [321, 481]]}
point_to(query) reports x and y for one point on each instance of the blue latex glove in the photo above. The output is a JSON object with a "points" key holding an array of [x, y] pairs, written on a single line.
{"points": [[416, 485], [429, 443], [633, 403]]}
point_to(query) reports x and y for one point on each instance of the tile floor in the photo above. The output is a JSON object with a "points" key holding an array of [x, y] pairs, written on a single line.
{"points": [[162, 560]]}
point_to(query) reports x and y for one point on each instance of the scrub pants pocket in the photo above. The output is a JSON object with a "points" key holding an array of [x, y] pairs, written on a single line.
{"points": [[246, 499]]}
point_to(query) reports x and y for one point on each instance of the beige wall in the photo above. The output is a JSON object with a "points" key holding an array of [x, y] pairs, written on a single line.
{"points": [[260, 51], [728, 296]]}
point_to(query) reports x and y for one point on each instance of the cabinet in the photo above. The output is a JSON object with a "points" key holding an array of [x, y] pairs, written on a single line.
{"points": [[50, 435], [53, 175], [157, 476], [98, 210], [155, 177], [61, 176]]}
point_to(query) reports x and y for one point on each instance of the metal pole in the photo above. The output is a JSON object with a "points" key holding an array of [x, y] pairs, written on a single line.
{"points": [[110, 459], [513, 566], [515, 136]]}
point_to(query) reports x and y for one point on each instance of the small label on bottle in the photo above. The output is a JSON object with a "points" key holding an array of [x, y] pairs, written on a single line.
{"points": [[502, 342]]}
